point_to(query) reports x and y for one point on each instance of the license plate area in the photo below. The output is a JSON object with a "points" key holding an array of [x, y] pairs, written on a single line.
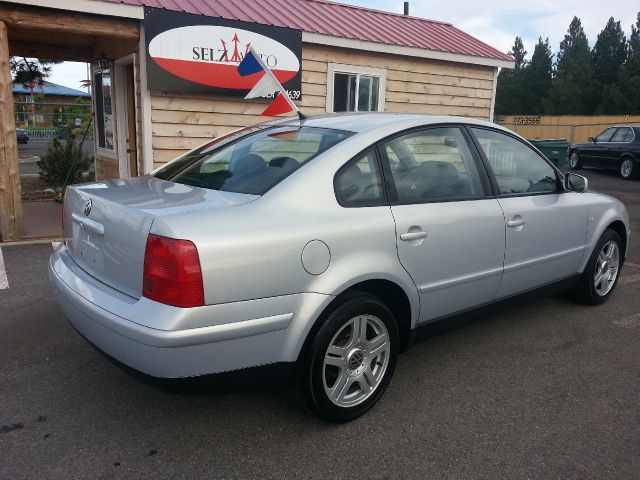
{"points": [[88, 236]]}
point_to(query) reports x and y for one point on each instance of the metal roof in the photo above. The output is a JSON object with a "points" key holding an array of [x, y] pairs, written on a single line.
{"points": [[338, 20], [50, 89]]}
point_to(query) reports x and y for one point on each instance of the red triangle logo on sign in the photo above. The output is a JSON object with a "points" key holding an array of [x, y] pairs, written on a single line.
{"points": [[278, 106]]}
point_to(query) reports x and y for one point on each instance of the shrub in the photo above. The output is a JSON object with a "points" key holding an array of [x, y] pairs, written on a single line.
{"points": [[64, 163]]}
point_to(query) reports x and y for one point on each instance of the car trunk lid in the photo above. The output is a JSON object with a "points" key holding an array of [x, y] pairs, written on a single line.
{"points": [[107, 223]]}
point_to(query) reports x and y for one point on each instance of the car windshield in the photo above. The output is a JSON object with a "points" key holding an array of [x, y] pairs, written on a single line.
{"points": [[252, 160]]}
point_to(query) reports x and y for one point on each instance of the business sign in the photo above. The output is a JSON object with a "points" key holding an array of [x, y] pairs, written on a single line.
{"points": [[196, 54]]}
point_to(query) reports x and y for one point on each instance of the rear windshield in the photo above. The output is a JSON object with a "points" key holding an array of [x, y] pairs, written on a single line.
{"points": [[252, 160]]}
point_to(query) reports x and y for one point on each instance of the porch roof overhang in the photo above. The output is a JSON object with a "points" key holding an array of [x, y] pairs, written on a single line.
{"points": [[67, 36]]}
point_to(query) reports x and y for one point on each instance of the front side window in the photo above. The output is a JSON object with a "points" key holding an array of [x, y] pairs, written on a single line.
{"points": [[432, 165], [518, 169], [360, 182], [355, 89], [252, 161], [606, 135]]}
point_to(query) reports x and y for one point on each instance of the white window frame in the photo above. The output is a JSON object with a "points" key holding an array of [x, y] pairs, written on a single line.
{"points": [[358, 70]]}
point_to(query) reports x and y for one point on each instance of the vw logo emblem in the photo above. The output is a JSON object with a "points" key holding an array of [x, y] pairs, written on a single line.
{"points": [[87, 206], [355, 359]]}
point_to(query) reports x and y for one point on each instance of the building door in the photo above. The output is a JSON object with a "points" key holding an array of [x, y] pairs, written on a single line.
{"points": [[126, 117], [131, 140]]}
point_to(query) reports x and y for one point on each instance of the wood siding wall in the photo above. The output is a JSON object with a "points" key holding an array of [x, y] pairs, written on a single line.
{"points": [[412, 85]]}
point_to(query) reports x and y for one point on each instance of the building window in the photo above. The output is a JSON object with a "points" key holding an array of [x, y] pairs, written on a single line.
{"points": [[104, 108], [355, 89]]}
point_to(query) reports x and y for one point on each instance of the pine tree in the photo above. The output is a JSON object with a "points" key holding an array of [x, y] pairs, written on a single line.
{"points": [[608, 56], [572, 89], [630, 82], [509, 89], [634, 40], [537, 76]]}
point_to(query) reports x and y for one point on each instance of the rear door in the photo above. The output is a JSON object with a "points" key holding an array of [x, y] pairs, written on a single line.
{"points": [[450, 230], [546, 226], [618, 145]]}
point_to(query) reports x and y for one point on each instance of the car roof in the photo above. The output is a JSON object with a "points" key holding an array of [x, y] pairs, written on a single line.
{"points": [[371, 121]]}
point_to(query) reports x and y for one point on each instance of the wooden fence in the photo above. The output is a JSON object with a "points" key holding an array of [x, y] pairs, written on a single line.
{"points": [[574, 128]]}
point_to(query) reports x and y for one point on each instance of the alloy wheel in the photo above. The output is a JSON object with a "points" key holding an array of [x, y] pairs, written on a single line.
{"points": [[356, 360], [607, 267], [626, 168], [573, 160]]}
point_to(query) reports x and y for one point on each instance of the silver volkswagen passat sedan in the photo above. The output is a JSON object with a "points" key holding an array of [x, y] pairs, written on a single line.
{"points": [[324, 244]]}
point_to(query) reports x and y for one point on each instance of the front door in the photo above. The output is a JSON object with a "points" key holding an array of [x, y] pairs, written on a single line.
{"points": [[125, 91], [546, 226], [595, 152], [450, 231], [617, 146], [131, 137]]}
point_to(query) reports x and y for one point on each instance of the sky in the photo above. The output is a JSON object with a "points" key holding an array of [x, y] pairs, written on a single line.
{"points": [[496, 22]]}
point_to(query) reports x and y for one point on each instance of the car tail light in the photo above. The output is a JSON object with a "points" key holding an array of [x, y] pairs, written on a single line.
{"points": [[172, 273]]}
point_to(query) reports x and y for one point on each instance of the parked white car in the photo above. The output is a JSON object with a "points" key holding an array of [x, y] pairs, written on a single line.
{"points": [[324, 244]]}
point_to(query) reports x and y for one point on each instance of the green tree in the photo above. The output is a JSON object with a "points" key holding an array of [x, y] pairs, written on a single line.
{"points": [[572, 89], [30, 72], [537, 76], [510, 82], [630, 81], [634, 40], [608, 57]]}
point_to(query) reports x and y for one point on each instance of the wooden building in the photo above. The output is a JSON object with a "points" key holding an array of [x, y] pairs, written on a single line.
{"points": [[41, 105], [164, 70]]}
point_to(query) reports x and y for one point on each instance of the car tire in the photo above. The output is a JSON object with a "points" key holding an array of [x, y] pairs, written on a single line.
{"points": [[628, 168], [351, 359], [602, 272], [574, 161]]}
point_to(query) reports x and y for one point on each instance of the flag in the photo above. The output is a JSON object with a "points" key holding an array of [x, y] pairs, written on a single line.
{"points": [[278, 106], [267, 85]]}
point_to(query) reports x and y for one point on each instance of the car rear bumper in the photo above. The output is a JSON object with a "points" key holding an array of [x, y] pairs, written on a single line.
{"points": [[170, 342]]}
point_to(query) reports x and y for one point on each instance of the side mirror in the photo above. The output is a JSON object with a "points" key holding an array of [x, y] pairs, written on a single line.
{"points": [[575, 183], [591, 139]]}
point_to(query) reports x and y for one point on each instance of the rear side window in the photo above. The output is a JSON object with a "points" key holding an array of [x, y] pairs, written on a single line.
{"points": [[628, 136], [359, 183], [254, 162], [432, 165], [518, 169], [623, 134]]}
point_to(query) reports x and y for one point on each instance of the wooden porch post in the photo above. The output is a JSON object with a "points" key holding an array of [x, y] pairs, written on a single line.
{"points": [[10, 198]]}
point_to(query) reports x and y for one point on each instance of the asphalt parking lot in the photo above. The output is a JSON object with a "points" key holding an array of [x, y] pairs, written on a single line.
{"points": [[549, 389]]}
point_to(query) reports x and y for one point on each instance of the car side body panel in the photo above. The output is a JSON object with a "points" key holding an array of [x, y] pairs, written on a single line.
{"points": [[272, 264], [602, 211]]}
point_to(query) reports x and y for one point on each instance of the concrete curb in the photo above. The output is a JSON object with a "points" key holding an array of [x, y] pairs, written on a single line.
{"points": [[31, 159]]}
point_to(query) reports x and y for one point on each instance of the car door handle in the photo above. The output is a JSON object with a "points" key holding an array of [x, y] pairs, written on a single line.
{"points": [[517, 221], [410, 236]]}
